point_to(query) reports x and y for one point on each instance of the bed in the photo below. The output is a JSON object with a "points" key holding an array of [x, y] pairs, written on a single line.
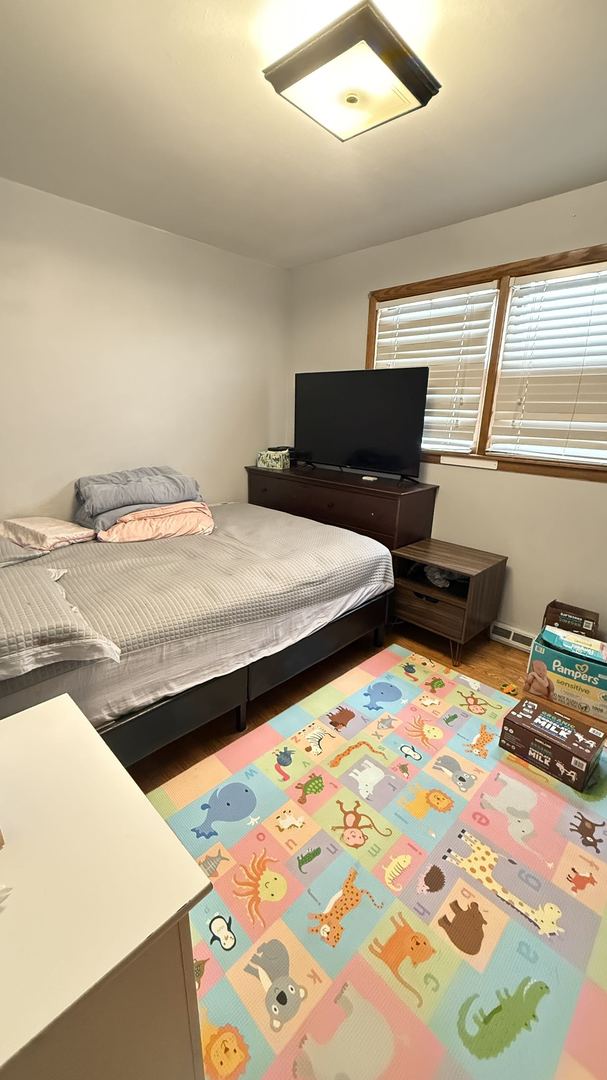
{"points": [[206, 623]]}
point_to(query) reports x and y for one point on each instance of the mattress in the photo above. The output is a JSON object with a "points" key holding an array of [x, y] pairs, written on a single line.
{"points": [[188, 609]]}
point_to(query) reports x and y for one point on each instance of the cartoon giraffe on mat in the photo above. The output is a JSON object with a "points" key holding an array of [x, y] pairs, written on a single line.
{"points": [[481, 863]]}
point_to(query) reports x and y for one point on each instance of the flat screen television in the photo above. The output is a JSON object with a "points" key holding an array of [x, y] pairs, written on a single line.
{"points": [[363, 420]]}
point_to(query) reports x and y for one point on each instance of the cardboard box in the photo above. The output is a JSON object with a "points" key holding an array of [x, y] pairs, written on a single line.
{"points": [[557, 744], [568, 617], [568, 677]]}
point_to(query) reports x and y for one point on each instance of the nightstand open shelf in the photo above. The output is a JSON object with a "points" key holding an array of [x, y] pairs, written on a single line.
{"points": [[459, 612]]}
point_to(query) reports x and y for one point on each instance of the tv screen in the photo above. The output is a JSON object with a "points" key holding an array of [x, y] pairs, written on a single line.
{"points": [[365, 420]]}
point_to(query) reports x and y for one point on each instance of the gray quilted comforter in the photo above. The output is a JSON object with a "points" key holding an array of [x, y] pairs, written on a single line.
{"points": [[39, 628], [258, 563]]}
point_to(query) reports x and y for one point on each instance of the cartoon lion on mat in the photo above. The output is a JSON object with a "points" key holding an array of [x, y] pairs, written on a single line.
{"points": [[224, 1051]]}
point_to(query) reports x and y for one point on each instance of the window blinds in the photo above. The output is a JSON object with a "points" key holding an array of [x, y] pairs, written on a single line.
{"points": [[551, 399], [449, 332]]}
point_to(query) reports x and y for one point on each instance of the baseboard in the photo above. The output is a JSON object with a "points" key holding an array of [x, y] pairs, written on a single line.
{"points": [[509, 635]]}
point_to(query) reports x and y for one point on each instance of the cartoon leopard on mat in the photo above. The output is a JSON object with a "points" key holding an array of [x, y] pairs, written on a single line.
{"points": [[271, 965], [346, 900]]}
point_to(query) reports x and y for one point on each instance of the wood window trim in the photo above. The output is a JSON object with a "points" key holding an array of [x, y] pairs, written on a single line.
{"points": [[502, 273], [568, 470]]}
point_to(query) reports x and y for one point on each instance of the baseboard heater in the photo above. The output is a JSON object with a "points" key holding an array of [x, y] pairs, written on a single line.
{"points": [[509, 635]]}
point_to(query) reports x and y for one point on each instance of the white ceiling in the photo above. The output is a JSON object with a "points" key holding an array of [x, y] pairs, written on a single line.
{"points": [[157, 110]]}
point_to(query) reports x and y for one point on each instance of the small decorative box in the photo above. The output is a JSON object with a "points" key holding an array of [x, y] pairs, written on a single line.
{"points": [[273, 459]]}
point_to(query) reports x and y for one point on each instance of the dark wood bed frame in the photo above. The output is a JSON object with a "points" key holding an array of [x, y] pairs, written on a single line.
{"points": [[135, 736]]}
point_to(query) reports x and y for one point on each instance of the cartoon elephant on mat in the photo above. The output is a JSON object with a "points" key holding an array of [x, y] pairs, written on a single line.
{"points": [[360, 1048], [515, 801]]}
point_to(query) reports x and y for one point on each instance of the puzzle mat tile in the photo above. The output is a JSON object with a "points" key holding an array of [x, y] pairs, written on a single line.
{"points": [[393, 894]]}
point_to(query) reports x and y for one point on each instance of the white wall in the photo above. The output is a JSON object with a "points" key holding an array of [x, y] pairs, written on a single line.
{"points": [[553, 531], [121, 345]]}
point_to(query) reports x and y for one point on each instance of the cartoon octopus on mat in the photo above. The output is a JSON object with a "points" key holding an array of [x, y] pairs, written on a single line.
{"points": [[424, 733], [259, 883]]}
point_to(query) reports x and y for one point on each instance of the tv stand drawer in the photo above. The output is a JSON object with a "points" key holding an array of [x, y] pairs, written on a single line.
{"points": [[387, 510], [267, 490], [337, 507]]}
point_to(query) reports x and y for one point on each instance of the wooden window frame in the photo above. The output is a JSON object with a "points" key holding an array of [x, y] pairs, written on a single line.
{"points": [[502, 274]]}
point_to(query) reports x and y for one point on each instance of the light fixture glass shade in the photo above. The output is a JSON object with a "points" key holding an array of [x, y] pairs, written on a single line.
{"points": [[352, 93], [355, 74]]}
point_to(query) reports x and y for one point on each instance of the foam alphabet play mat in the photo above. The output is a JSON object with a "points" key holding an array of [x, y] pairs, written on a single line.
{"points": [[394, 896]]}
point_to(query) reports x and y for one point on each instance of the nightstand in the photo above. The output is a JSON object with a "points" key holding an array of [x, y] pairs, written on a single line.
{"points": [[459, 612]]}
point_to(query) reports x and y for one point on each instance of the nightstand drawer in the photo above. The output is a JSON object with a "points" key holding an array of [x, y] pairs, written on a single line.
{"points": [[433, 613]]}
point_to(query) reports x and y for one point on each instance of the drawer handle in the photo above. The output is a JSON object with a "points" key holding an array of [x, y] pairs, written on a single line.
{"points": [[426, 599], [330, 506], [264, 491]]}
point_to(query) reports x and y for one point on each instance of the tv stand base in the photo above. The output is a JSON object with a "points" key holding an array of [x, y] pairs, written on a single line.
{"points": [[387, 510]]}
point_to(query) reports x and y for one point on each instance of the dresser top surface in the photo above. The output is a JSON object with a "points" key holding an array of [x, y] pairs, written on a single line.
{"points": [[94, 870], [352, 481]]}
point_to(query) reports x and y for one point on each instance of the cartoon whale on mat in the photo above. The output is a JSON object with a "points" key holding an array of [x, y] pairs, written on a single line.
{"points": [[230, 803], [381, 691]]}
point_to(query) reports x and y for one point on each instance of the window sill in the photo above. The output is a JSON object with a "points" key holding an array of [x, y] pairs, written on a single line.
{"points": [[562, 469]]}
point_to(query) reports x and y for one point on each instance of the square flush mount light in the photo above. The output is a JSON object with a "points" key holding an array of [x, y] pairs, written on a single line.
{"points": [[354, 75]]}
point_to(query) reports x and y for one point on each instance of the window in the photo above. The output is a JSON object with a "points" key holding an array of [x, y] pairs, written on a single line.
{"points": [[450, 333], [551, 399], [517, 357]]}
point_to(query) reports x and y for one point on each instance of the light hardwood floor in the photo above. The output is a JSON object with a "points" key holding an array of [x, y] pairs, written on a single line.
{"points": [[482, 659]]}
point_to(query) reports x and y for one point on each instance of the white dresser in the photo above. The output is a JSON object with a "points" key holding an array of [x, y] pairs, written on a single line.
{"points": [[96, 970]]}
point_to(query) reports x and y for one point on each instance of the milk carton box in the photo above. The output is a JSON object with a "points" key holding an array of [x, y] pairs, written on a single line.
{"points": [[557, 744], [570, 670]]}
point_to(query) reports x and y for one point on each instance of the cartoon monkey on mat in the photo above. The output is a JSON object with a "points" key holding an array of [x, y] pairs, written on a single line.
{"points": [[355, 826]]}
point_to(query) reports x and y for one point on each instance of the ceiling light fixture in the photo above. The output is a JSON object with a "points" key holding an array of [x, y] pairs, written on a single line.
{"points": [[354, 75]]}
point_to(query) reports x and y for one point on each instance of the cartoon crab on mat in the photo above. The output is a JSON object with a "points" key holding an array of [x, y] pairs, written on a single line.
{"points": [[425, 733]]}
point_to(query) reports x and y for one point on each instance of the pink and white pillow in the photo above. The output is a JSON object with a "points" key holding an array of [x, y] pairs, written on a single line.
{"points": [[43, 533]]}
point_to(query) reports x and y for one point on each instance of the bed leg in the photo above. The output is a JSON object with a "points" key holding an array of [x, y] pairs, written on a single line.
{"points": [[379, 636], [241, 716]]}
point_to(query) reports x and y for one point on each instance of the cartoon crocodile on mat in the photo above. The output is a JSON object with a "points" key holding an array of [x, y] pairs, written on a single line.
{"points": [[497, 1029]]}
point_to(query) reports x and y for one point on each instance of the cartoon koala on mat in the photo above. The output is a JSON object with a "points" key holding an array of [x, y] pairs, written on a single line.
{"points": [[270, 965]]}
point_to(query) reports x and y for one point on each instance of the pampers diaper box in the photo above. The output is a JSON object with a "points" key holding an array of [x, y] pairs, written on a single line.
{"points": [[570, 670]]}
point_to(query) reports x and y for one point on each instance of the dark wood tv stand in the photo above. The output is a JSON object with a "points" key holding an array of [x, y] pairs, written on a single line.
{"points": [[395, 512]]}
